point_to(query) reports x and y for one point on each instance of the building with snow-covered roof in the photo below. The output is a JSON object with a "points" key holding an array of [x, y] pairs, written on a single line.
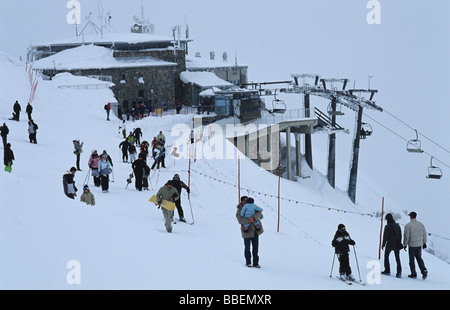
{"points": [[232, 72], [145, 68]]}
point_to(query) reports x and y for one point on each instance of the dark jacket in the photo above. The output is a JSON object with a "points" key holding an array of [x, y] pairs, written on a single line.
{"points": [[392, 237], [179, 185], [69, 184], [8, 155], [341, 242], [138, 167]]}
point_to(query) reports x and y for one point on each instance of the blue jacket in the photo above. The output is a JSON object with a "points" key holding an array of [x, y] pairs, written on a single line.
{"points": [[249, 210], [104, 167]]}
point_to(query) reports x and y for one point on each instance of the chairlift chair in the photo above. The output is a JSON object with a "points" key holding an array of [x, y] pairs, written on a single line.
{"points": [[278, 105], [366, 130], [414, 145], [433, 171], [337, 112]]}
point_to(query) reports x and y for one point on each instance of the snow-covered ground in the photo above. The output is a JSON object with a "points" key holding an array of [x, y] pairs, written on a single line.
{"points": [[121, 243]]}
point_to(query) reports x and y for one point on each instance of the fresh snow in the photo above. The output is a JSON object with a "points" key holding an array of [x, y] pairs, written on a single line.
{"points": [[121, 243]]}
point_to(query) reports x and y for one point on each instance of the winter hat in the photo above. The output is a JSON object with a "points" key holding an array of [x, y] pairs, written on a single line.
{"points": [[73, 169], [176, 177], [86, 187], [170, 182], [341, 227], [250, 200]]}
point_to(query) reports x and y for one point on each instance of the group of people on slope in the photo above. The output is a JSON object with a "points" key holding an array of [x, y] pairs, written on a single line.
{"points": [[249, 217], [8, 154], [414, 238]]}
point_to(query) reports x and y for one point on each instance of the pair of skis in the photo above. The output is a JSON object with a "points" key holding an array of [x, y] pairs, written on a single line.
{"points": [[177, 220], [350, 282]]}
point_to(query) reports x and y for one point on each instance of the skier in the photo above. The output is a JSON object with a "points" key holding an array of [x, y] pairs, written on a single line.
{"points": [[4, 133], [32, 131], [157, 157], [392, 237], [248, 211], [16, 108], [69, 183], [415, 237], [78, 149], [340, 243], [138, 169], [107, 157], [87, 197], [251, 236], [29, 110], [93, 165], [104, 169], [8, 157], [125, 147], [179, 185], [169, 193]]}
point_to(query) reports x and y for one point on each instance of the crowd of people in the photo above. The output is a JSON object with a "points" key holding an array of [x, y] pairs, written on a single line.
{"points": [[248, 214]]}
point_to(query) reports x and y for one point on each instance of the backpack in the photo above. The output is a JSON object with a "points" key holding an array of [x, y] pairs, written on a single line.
{"points": [[35, 127], [106, 107]]}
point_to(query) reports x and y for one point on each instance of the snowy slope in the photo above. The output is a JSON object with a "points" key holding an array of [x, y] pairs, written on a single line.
{"points": [[121, 243]]}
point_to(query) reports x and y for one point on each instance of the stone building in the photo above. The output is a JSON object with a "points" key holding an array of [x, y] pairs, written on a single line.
{"points": [[143, 67]]}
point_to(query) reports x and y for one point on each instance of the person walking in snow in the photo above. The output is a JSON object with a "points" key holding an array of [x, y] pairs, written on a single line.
{"points": [[93, 165], [250, 236], [125, 147], [138, 170], [16, 108], [70, 190], [8, 157], [4, 131], [415, 238], [132, 151], [341, 242], [156, 154], [104, 170], [179, 185], [392, 241], [87, 197], [78, 149], [32, 131], [29, 110], [169, 193], [137, 133], [108, 110]]}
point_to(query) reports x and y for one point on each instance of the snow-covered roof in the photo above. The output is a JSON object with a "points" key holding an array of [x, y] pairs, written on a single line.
{"points": [[204, 63], [203, 79], [94, 57], [110, 37]]}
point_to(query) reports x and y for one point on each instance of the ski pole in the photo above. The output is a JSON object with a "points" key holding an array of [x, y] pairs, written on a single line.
{"points": [[192, 214], [112, 171], [356, 258], [332, 265], [86, 179]]}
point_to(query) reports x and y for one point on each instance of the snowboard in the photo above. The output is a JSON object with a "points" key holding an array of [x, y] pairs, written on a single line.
{"points": [[165, 204]]}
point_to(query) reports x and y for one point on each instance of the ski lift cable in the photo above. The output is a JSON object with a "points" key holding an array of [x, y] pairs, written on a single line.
{"points": [[392, 131], [384, 110]]}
